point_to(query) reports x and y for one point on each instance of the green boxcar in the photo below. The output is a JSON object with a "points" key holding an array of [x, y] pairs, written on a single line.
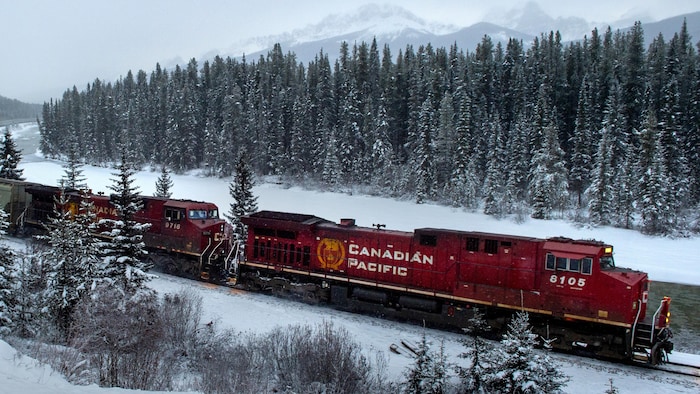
{"points": [[14, 200]]}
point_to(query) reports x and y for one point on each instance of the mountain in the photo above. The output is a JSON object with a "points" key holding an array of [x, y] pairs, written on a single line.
{"points": [[397, 27], [670, 26], [389, 24], [531, 19], [11, 109]]}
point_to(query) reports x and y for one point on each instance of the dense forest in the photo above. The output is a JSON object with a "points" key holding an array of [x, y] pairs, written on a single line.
{"points": [[11, 109], [604, 130]]}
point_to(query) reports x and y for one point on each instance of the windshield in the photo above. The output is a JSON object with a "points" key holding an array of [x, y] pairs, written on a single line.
{"points": [[607, 263], [198, 214], [213, 214]]}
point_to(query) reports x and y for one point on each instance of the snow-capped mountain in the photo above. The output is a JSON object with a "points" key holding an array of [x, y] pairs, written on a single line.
{"points": [[398, 27], [531, 19], [389, 24]]}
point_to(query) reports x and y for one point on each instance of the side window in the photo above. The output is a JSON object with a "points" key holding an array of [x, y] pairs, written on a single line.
{"points": [[557, 263], [473, 244], [491, 246], [173, 214], [428, 240], [587, 266], [550, 262], [562, 263]]}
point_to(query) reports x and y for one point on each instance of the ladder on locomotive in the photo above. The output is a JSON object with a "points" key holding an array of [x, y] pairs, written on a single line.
{"points": [[648, 340]]}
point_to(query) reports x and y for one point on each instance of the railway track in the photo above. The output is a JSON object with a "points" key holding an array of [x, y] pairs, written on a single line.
{"points": [[684, 365]]}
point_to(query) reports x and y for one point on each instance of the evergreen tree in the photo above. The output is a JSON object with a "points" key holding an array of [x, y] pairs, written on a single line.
{"points": [[428, 374], [462, 188], [10, 158], [548, 176], [600, 192], [7, 280], [423, 155], [654, 184], [71, 258], [73, 175], [494, 184], [125, 251], [515, 366], [477, 353], [241, 190], [164, 184]]}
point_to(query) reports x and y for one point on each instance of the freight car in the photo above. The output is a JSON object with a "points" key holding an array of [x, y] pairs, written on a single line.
{"points": [[185, 237], [577, 298]]}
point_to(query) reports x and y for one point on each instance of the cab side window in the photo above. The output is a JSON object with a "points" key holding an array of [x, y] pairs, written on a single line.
{"points": [[557, 263], [173, 214]]}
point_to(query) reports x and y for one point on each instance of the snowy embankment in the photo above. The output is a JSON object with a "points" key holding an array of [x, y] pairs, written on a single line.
{"points": [[664, 259]]}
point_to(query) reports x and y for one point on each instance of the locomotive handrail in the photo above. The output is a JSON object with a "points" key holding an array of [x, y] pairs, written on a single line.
{"points": [[653, 321], [634, 326], [236, 248], [215, 247], [201, 257]]}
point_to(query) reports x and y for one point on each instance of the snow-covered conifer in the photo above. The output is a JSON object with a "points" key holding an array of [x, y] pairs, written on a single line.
{"points": [[10, 158], [548, 175], [125, 251], [164, 184], [73, 175], [7, 280], [71, 259], [477, 354], [516, 367], [428, 374], [241, 190]]}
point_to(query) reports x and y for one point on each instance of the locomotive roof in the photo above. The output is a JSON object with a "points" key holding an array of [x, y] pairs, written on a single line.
{"points": [[288, 217]]}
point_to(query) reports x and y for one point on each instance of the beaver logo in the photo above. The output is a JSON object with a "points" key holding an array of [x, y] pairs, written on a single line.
{"points": [[331, 253]]}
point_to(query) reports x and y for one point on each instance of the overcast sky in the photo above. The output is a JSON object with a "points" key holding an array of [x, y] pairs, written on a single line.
{"points": [[47, 46]]}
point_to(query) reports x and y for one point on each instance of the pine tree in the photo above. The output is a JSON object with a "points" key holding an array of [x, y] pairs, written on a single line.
{"points": [[73, 175], [515, 366], [654, 184], [164, 184], [71, 258], [7, 280], [428, 374], [462, 188], [477, 353], [423, 155], [10, 158], [494, 183], [241, 190], [548, 176], [124, 263], [600, 192]]}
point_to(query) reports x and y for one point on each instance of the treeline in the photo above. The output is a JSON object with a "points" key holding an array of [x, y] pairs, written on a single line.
{"points": [[11, 109], [605, 127]]}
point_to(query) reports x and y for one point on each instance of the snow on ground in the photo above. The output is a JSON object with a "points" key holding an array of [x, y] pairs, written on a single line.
{"points": [[241, 311], [22, 374]]}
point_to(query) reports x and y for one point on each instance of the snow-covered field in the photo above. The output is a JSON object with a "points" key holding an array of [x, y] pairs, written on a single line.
{"points": [[664, 259]]}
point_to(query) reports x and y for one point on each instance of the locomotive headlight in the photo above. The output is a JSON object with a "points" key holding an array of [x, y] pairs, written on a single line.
{"points": [[608, 250]]}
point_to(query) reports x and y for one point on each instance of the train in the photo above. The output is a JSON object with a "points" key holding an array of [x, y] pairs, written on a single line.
{"points": [[185, 237], [577, 298]]}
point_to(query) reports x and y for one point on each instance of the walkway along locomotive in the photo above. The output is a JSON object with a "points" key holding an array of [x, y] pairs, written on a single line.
{"points": [[185, 237], [577, 298]]}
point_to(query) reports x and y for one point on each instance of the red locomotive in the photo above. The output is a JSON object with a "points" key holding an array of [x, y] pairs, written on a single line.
{"points": [[186, 238], [577, 298]]}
